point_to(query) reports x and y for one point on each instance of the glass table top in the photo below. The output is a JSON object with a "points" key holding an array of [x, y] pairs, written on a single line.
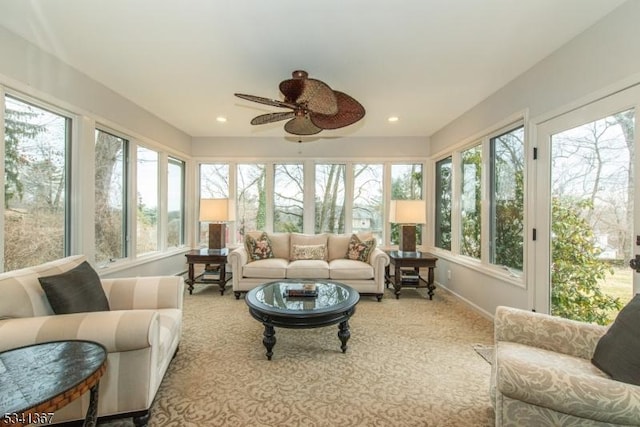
{"points": [[330, 295]]}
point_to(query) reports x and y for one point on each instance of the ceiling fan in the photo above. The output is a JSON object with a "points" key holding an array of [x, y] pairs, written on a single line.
{"points": [[315, 106]]}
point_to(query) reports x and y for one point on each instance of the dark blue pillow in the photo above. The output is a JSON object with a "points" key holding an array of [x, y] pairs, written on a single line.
{"points": [[75, 291], [618, 351]]}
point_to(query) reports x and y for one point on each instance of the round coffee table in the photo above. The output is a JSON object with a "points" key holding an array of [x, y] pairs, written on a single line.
{"points": [[335, 303], [39, 379]]}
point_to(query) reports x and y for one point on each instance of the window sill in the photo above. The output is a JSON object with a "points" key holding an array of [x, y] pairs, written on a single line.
{"points": [[503, 274], [129, 263]]}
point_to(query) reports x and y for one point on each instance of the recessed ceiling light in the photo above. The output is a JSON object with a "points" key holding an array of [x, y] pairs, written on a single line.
{"points": [[221, 119], [393, 119]]}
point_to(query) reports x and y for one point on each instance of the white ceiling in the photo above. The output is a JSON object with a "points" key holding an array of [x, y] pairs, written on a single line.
{"points": [[425, 61]]}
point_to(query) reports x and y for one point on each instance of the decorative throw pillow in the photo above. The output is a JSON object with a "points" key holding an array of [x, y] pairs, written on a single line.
{"points": [[360, 250], [75, 291], [618, 351], [309, 252], [258, 248]]}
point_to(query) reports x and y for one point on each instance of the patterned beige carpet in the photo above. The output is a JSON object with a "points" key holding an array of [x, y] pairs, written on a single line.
{"points": [[410, 362]]}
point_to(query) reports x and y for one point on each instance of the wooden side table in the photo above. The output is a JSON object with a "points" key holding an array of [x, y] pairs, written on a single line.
{"points": [[39, 379], [415, 260], [210, 257]]}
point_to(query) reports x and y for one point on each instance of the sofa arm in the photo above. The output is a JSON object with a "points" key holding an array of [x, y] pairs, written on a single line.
{"points": [[548, 332], [379, 260], [144, 292], [123, 330], [237, 258]]}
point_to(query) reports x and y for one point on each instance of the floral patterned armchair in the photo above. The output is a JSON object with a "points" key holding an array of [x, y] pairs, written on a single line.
{"points": [[542, 375]]}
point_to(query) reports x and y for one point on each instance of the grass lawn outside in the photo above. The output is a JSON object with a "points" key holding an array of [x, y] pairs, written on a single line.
{"points": [[619, 285]]}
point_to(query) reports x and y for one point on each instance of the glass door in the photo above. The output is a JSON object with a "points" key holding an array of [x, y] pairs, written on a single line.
{"points": [[587, 189]]}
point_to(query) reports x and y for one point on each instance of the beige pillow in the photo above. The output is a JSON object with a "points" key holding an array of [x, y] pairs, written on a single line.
{"points": [[306, 239], [309, 252]]}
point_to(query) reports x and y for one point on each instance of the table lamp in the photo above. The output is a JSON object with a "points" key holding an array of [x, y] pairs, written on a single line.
{"points": [[407, 213], [216, 213]]}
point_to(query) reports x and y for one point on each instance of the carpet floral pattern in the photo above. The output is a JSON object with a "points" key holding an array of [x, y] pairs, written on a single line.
{"points": [[410, 362]]}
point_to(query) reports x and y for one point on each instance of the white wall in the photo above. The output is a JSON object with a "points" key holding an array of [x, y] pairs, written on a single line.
{"points": [[598, 62], [40, 73], [365, 148], [27, 69]]}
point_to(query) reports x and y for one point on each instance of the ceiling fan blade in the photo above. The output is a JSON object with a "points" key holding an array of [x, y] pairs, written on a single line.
{"points": [[349, 112], [266, 101], [291, 89], [272, 117], [318, 97], [301, 125]]}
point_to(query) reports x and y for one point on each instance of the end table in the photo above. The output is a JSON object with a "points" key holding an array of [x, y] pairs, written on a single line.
{"points": [[215, 257], [415, 260]]}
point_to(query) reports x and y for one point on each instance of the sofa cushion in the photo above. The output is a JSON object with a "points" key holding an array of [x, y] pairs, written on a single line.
{"points": [[360, 250], [347, 269], [78, 290], [258, 247], [306, 239], [618, 351], [280, 244], [308, 269], [272, 268], [309, 252]]}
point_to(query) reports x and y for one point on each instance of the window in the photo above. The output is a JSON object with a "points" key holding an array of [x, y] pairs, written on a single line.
{"points": [[251, 209], [36, 185], [470, 203], [507, 199], [406, 184], [443, 204], [330, 198], [368, 199], [110, 197], [147, 201], [175, 202], [288, 198]]}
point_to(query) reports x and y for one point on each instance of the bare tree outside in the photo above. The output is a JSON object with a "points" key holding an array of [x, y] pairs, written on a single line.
{"points": [[36, 142], [368, 207], [592, 176], [251, 209], [110, 197], [330, 198], [288, 198]]}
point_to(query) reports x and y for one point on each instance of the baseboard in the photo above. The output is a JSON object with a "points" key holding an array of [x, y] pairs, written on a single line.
{"points": [[471, 305]]}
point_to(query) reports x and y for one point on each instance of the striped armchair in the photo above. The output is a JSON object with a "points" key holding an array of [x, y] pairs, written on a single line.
{"points": [[141, 333]]}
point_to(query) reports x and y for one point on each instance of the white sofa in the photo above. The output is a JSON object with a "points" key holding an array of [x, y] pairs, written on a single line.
{"points": [[542, 375], [141, 333], [365, 277]]}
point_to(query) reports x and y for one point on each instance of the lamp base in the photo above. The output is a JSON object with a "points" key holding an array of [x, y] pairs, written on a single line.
{"points": [[217, 236], [407, 238]]}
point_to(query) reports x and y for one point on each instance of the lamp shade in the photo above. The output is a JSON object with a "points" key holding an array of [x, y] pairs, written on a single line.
{"points": [[214, 210], [408, 212]]}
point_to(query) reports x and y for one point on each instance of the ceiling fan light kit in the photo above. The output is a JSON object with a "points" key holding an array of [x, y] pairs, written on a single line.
{"points": [[315, 106]]}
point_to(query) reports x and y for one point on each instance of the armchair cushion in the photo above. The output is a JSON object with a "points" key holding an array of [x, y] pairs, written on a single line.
{"points": [[78, 290], [618, 351]]}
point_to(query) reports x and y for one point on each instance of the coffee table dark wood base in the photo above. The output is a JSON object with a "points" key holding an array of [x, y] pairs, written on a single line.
{"points": [[335, 304], [269, 335]]}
